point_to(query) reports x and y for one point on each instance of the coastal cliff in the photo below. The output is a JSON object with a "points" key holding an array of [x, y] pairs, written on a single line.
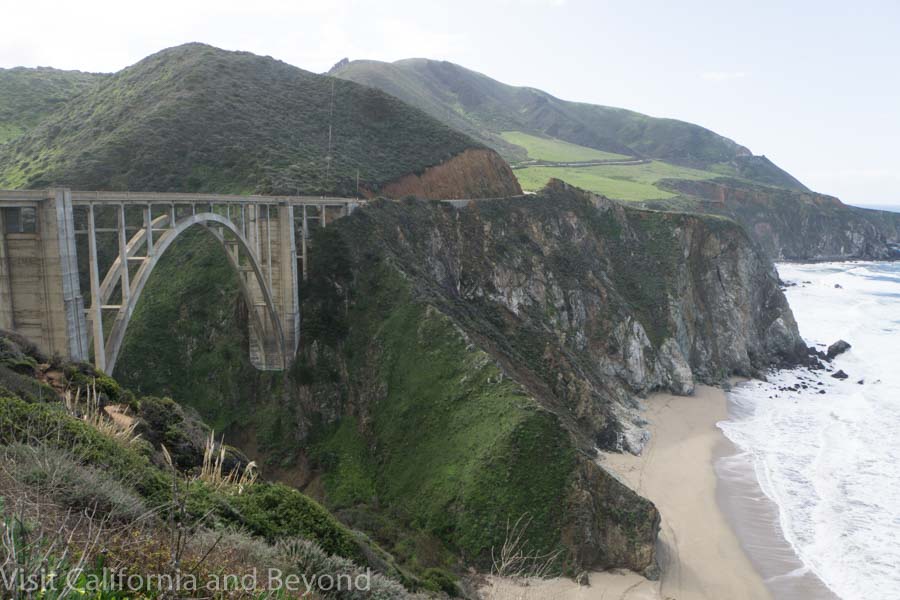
{"points": [[462, 365], [459, 367], [793, 224]]}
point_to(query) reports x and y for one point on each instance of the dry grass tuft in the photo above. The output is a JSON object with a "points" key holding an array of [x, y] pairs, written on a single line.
{"points": [[118, 424], [212, 472]]}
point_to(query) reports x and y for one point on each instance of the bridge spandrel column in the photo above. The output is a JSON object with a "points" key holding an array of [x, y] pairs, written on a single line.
{"points": [[73, 301], [286, 285], [96, 299]]}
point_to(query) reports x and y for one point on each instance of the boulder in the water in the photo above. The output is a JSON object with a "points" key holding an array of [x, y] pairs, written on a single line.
{"points": [[839, 347]]}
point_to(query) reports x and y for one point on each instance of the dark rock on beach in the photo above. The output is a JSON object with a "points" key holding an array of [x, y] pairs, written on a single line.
{"points": [[837, 348]]}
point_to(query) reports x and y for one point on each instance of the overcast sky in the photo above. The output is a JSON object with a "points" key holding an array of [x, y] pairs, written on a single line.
{"points": [[815, 86]]}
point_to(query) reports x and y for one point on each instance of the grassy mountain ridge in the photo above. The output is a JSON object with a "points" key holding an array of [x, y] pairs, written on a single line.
{"points": [[28, 95], [196, 118], [684, 167], [484, 108]]}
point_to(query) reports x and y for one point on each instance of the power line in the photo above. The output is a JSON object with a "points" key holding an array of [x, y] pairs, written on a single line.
{"points": [[330, 121]]}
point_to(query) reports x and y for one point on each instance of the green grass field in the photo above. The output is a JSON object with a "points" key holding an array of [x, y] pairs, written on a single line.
{"points": [[554, 150], [623, 182]]}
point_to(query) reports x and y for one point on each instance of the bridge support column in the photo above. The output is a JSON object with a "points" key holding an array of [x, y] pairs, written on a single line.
{"points": [[304, 236], [96, 310], [39, 289], [288, 290], [7, 318], [124, 276]]}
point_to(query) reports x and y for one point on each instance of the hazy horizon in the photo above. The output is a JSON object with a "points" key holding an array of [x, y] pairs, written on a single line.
{"points": [[808, 85]]}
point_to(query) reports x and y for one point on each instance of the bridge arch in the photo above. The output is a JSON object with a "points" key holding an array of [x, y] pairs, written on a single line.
{"points": [[267, 340], [41, 267]]}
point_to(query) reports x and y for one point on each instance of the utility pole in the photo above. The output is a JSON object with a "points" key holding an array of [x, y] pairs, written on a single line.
{"points": [[330, 121]]}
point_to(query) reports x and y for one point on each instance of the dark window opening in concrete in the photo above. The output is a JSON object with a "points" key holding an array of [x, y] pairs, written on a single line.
{"points": [[20, 220]]}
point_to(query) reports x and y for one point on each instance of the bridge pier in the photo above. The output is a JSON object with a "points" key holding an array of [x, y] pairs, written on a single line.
{"points": [[40, 290], [40, 296]]}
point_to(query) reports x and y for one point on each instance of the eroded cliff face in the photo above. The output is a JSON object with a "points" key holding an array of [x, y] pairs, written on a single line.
{"points": [[503, 342], [474, 173], [799, 225]]}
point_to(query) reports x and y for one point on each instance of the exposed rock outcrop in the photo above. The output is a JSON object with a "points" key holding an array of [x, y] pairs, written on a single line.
{"points": [[794, 224], [837, 348], [578, 303], [474, 173]]}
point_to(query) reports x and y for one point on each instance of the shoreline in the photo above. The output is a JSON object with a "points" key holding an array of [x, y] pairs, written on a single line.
{"points": [[705, 530], [754, 518]]}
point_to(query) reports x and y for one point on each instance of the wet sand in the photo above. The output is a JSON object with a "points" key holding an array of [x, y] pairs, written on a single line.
{"points": [[700, 553], [754, 519]]}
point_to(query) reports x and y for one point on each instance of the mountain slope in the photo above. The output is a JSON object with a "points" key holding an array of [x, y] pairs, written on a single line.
{"points": [[105, 482], [692, 168], [485, 108], [459, 366], [196, 118], [29, 95]]}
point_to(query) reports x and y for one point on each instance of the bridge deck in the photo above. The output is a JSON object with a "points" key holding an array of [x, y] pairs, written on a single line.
{"points": [[85, 197]]}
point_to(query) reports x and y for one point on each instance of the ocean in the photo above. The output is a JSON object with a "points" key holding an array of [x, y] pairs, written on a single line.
{"points": [[828, 455], [887, 207]]}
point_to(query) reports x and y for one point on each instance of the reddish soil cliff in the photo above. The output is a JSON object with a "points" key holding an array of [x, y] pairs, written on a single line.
{"points": [[475, 173]]}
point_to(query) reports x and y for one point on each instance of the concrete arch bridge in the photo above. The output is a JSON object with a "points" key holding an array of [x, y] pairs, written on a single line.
{"points": [[55, 242]]}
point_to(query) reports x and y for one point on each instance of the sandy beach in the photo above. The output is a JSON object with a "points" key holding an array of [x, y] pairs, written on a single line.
{"points": [[699, 552]]}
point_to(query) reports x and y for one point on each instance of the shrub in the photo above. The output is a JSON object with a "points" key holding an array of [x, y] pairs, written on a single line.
{"points": [[439, 580], [274, 511], [30, 423], [311, 560], [163, 422], [56, 474], [35, 544], [23, 386], [83, 376]]}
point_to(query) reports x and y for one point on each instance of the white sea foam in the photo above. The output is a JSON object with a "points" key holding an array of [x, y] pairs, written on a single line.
{"points": [[831, 462]]}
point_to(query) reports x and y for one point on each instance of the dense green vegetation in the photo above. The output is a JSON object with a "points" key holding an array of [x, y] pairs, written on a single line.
{"points": [[420, 437], [23, 422], [29, 95], [622, 182], [484, 108], [554, 150], [196, 118], [269, 510], [131, 491], [460, 448], [186, 339]]}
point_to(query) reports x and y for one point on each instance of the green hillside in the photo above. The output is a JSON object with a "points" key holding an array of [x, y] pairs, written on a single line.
{"points": [[196, 118], [622, 182], [485, 108], [554, 150], [29, 95]]}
